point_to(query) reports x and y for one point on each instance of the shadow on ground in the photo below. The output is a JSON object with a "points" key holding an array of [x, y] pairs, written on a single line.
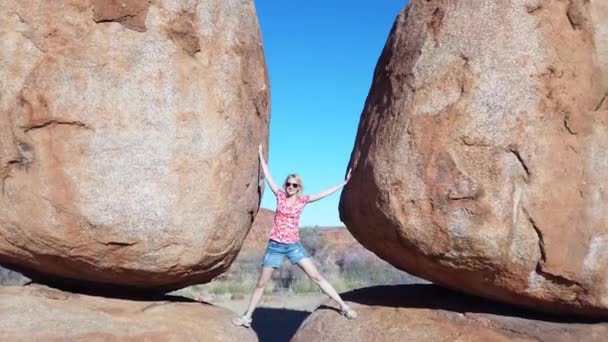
{"points": [[272, 324], [438, 298]]}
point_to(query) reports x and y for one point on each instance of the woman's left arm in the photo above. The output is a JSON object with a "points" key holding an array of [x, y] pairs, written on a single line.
{"points": [[329, 191]]}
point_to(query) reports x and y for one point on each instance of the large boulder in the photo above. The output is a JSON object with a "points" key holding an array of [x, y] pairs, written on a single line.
{"points": [[430, 313], [38, 313], [481, 160], [128, 137]]}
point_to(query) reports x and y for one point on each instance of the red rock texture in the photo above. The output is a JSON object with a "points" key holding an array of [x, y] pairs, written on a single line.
{"points": [[429, 313], [480, 160], [257, 238], [38, 313], [128, 138], [130, 13]]}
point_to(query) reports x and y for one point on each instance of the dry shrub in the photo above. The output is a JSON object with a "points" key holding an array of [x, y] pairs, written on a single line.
{"points": [[346, 268], [12, 278]]}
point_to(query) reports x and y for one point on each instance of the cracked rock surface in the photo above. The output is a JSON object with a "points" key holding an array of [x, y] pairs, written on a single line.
{"points": [[481, 159], [128, 138]]}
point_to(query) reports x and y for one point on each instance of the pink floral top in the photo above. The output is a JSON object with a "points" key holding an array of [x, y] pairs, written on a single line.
{"points": [[285, 225]]}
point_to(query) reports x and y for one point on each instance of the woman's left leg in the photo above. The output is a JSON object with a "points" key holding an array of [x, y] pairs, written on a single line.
{"points": [[311, 270]]}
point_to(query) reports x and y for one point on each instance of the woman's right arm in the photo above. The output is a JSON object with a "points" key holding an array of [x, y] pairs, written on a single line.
{"points": [[267, 175]]}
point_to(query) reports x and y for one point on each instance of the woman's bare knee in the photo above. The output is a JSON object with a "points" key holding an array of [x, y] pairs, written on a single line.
{"points": [[265, 277], [317, 278], [262, 284]]}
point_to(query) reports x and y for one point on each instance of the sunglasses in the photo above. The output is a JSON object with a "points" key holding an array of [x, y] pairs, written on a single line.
{"points": [[294, 185]]}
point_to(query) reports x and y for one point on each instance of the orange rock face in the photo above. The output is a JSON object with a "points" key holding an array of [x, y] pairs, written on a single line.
{"points": [[257, 238], [38, 313], [429, 313], [480, 160], [128, 138]]}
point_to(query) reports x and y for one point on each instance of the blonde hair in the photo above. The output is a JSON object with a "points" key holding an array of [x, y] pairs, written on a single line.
{"points": [[297, 179]]}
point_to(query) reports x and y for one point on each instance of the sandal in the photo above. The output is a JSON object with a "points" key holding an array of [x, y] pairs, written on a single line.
{"points": [[242, 321], [348, 313]]}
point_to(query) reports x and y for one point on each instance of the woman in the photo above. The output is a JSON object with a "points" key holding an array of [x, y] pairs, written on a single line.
{"points": [[284, 240]]}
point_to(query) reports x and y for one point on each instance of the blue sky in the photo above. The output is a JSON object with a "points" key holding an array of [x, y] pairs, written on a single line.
{"points": [[321, 56]]}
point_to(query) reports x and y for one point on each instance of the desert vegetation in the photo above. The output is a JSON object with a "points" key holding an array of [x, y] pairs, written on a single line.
{"points": [[340, 258], [9, 277]]}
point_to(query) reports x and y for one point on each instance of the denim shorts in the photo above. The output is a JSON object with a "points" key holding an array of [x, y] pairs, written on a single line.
{"points": [[277, 251]]}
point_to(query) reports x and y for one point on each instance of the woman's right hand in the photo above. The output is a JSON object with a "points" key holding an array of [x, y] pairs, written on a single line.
{"points": [[267, 175]]}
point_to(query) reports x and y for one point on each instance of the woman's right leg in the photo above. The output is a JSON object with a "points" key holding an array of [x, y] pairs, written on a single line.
{"points": [[265, 276]]}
